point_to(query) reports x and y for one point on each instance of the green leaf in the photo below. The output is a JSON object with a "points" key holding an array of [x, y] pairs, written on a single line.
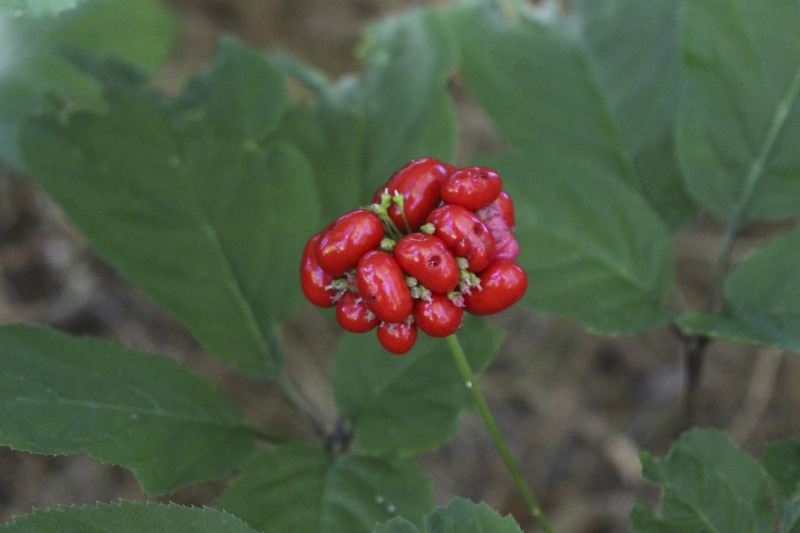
{"points": [[35, 8], [464, 515], [240, 98], [396, 525], [707, 485], [303, 489], [739, 120], [185, 203], [593, 251], [127, 517], [412, 403], [762, 298], [408, 111], [782, 462], [633, 49], [32, 67], [61, 394], [330, 133], [593, 247], [541, 92], [460, 515]]}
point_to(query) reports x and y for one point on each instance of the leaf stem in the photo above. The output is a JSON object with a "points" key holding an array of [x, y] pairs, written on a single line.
{"points": [[297, 399], [460, 359], [289, 388]]}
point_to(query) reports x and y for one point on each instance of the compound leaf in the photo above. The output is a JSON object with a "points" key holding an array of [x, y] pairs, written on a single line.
{"points": [[304, 489], [708, 485], [411, 403], [739, 117], [128, 517], [61, 394]]}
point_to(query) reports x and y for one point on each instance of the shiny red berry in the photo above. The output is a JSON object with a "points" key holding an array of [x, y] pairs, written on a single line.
{"points": [[429, 260], [438, 316], [353, 315], [502, 284], [464, 234], [420, 182], [383, 287], [315, 281], [346, 239], [472, 187], [397, 338]]}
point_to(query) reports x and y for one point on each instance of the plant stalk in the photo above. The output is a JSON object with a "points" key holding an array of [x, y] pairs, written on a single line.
{"points": [[460, 359]]}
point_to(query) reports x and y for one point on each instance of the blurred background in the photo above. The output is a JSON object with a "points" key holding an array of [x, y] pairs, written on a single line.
{"points": [[577, 408]]}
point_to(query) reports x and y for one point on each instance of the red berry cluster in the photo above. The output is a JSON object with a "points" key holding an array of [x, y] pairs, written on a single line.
{"points": [[437, 241]]}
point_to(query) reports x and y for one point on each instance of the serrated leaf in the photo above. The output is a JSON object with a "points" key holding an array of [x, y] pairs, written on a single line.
{"points": [[634, 52], [36, 8], [593, 251], [32, 66], [396, 525], [540, 91], [412, 403], [127, 517], [304, 489], [739, 119], [186, 204], [407, 109], [782, 462], [762, 298], [458, 516], [707, 485], [61, 394]]}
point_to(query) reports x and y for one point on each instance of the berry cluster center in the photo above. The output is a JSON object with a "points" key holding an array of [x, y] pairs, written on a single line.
{"points": [[436, 241]]}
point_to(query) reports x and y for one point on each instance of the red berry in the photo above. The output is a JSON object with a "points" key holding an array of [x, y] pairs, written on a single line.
{"points": [[313, 279], [428, 259], [347, 238], [438, 317], [503, 206], [419, 182], [353, 315], [383, 287], [505, 245], [503, 283], [397, 338], [464, 234], [472, 187]]}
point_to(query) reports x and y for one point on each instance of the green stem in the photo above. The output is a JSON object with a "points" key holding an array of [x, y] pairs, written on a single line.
{"points": [[480, 402]]}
